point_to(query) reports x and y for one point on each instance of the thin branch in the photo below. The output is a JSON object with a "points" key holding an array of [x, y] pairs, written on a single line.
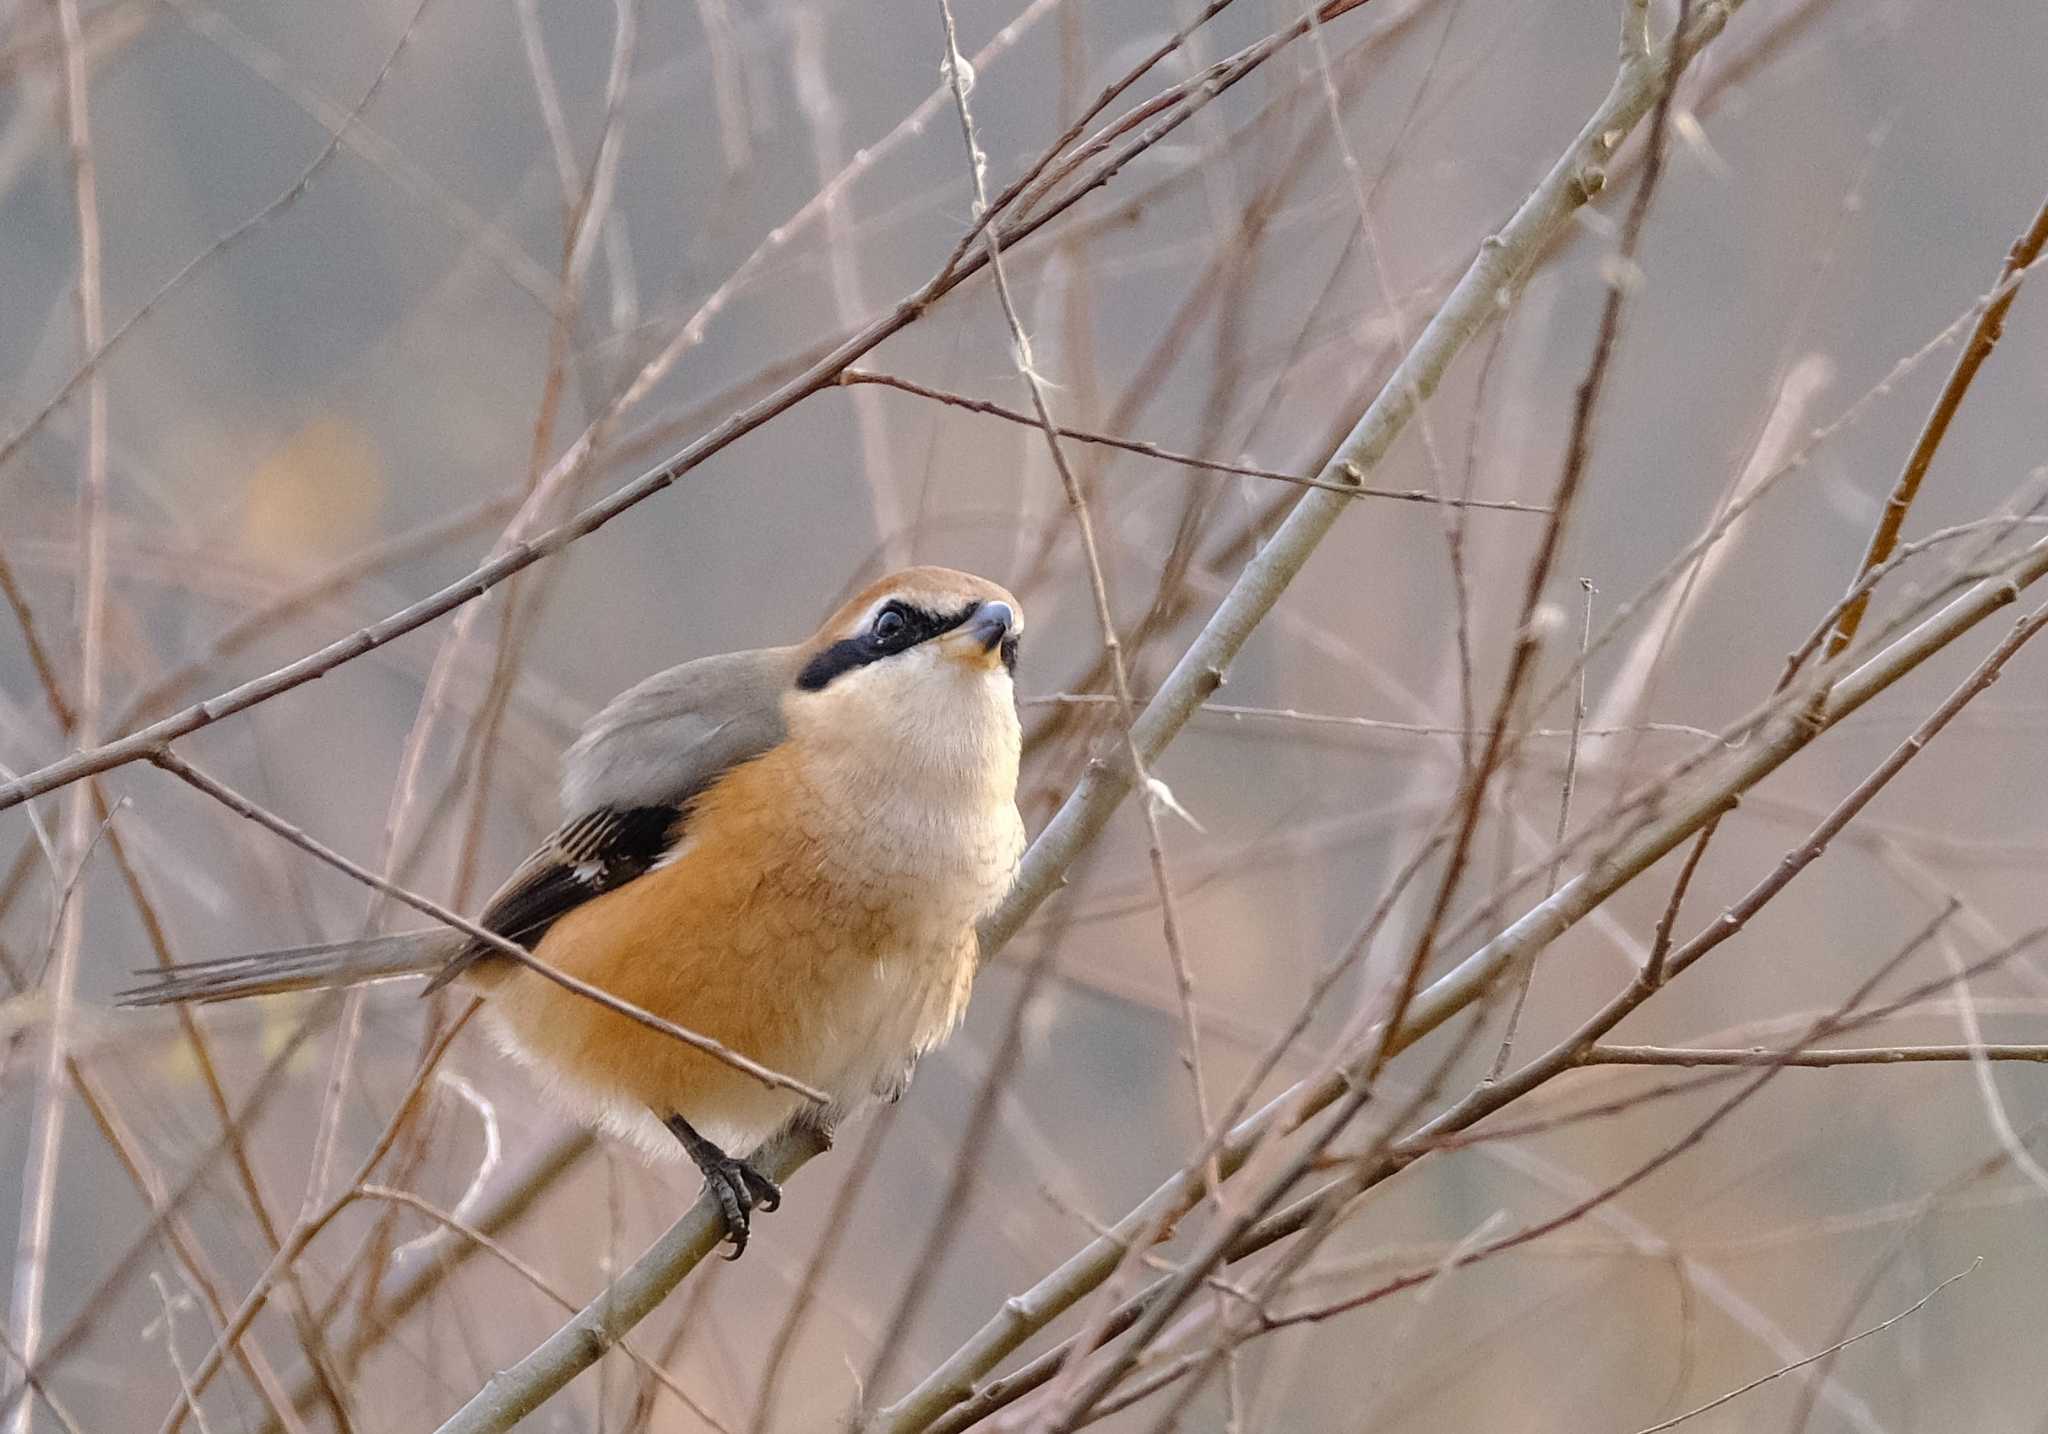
{"points": [[808, 47], [857, 376], [1797, 460], [1564, 822], [169, 1325], [38, 655], [1983, 338], [240, 805], [429, 1263], [182, 1239], [1380, 724], [430, 191], [1783, 1370], [1690, 1057], [81, 824], [265, 619]]}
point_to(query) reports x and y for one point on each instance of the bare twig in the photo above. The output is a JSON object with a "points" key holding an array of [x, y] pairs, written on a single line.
{"points": [[169, 1325], [265, 619], [1995, 1112], [1983, 338], [235, 802], [1783, 1370], [38, 655], [182, 1240], [128, 1262], [808, 48], [428, 1263], [1381, 724], [856, 376], [1690, 1057], [46, 1126], [1795, 461], [1564, 822]]}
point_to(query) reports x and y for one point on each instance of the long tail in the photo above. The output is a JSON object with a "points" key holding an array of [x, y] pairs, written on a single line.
{"points": [[297, 968]]}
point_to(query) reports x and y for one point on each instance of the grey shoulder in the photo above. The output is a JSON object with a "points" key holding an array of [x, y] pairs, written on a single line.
{"points": [[665, 739]]}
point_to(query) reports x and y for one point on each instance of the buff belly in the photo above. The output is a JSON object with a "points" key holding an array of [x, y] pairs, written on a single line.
{"points": [[852, 1031], [836, 972]]}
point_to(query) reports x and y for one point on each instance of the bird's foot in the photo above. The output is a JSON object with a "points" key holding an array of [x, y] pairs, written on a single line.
{"points": [[738, 1187]]}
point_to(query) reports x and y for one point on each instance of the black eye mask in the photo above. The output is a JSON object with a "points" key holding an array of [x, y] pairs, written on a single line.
{"points": [[843, 656]]}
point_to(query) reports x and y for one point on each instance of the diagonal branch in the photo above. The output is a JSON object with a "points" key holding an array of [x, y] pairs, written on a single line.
{"points": [[1694, 1056], [240, 805], [854, 377], [1983, 338], [1796, 1365]]}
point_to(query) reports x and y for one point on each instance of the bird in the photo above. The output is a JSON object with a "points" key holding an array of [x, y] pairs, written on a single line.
{"points": [[786, 850]]}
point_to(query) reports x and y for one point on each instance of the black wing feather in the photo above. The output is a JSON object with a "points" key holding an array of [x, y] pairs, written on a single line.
{"points": [[586, 857]]}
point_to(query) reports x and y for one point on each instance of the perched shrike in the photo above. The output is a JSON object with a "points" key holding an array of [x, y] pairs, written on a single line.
{"points": [[785, 850]]}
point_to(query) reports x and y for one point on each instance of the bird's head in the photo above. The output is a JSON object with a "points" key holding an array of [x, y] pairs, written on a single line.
{"points": [[920, 663]]}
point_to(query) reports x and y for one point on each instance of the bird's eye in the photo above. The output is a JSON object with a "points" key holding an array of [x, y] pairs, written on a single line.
{"points": [[890, 625]]}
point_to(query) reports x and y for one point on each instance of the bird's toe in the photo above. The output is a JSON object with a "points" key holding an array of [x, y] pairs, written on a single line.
{"points": [[735, 1204], [740, 1190], [766, 1194]]}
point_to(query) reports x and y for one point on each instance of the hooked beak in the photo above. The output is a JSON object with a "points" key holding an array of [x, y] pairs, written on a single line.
{"points": [[987, 639]]}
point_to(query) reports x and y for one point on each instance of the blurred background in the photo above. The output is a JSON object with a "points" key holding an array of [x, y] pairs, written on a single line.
{"points": [[372, 267]]}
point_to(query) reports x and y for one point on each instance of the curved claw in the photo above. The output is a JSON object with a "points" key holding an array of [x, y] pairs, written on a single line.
{"points": [[767, 1194], [734, 1205], [738, 1187]]}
